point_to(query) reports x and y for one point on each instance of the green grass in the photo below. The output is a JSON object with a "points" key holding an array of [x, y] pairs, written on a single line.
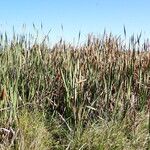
{"points": [[92, 96]]}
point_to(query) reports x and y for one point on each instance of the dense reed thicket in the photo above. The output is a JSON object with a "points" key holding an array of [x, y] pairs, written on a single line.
{"points": [[92, 96]]}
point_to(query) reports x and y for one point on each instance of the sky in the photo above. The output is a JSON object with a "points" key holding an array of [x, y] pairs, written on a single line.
{"points": [[85, 16]]}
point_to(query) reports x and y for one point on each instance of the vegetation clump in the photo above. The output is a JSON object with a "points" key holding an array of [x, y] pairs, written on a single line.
{"points": [[92, 96]]}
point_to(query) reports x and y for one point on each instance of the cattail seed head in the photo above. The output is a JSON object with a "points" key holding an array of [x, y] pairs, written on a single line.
{"points": [[3, 94]]}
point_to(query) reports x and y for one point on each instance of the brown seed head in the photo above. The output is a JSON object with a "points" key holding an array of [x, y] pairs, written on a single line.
{"points": [[3, 94]]}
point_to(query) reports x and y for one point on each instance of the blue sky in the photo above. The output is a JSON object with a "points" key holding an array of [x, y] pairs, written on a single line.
{"points": [[87, 16]]}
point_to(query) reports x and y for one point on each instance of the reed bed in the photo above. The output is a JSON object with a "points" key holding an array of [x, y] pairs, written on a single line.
{"points": [[90, 96]]}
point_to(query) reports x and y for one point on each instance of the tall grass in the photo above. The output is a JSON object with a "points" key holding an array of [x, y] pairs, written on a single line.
{"points": [[80, 97]]}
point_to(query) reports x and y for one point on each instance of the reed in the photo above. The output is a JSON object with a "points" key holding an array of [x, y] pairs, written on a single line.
{"points": [[101, 83]]}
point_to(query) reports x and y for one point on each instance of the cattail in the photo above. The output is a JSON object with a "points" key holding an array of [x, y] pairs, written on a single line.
{"points": [[3, 94]]}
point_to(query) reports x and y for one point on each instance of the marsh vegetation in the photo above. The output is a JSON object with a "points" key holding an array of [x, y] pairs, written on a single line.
{"points": [[90, 96]]}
